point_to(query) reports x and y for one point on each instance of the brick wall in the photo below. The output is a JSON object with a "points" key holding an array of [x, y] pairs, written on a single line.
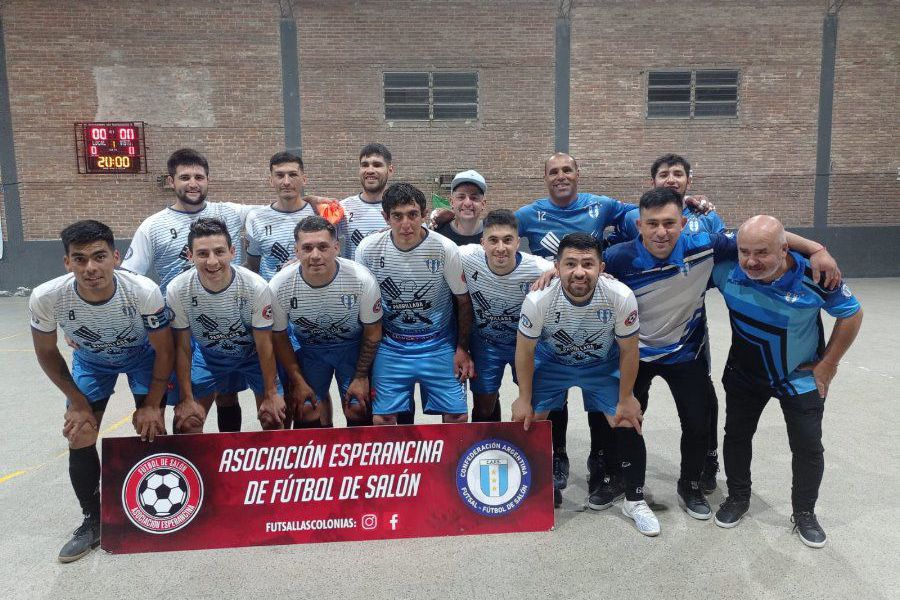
{"points": [[209, 76], [865, 148]]}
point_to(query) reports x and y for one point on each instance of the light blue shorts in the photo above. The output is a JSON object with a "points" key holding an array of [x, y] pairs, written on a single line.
{"points": [[599, 385], [395, 374]]}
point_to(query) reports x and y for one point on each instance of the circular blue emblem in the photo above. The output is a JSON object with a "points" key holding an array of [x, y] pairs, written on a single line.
{"points": [[493, 477]]}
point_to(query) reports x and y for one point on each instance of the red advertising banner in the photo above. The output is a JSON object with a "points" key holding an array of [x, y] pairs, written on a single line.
{"points": [[225, 490]]}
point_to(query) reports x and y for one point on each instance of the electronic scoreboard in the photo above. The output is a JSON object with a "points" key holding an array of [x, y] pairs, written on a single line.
{"points": [[110, 147]]}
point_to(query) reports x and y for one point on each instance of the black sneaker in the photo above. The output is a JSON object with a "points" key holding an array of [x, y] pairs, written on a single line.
{"points": [[731, 512], [84, 539], [557, 498], [807, 527], [560, 469], [692, 500], [603, 493], [708, 478]]}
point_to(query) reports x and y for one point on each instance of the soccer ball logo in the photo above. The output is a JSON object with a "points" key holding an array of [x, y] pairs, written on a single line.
{"points": [[162, 493]]}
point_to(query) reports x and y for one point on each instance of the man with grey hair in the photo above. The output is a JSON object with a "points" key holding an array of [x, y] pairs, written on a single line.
{"points": [[778, 350]]}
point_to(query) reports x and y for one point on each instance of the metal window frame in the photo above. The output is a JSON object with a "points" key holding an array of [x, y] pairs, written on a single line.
{"points": [[431, 101], [693, 96]]}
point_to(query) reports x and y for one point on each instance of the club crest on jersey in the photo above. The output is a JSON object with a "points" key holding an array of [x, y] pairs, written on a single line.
{"points": [[525, 321], [693, 225], [605, 315], [594, 211], [129, 311], [434, 264], [349, 300], [845, 291], [162, 493], [241, 302], [525, 286], [791, 297], [267, 312]]}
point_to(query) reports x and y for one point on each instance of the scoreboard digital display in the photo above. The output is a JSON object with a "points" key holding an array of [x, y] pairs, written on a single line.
{"points": [[110, 147]]}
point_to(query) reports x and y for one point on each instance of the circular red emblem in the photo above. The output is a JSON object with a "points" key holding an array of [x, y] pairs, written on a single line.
{"points": [[162, 493]]}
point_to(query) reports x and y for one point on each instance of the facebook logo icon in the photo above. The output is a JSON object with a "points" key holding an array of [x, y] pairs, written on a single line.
{"points": [[393, 521]]}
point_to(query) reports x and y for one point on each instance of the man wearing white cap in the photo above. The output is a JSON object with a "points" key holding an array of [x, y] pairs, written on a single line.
{"points": [[467, 203]]}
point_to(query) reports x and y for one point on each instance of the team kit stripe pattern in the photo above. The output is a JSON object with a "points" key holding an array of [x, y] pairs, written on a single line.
{"points": [[497, 299], [361, 219], [222, 323], [332, 315], [161, 240], [270, 236], [416, 287], [580, 335], [112, 334]]}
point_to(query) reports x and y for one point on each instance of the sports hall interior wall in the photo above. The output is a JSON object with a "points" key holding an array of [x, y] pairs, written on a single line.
{"points": [[209, 75]]}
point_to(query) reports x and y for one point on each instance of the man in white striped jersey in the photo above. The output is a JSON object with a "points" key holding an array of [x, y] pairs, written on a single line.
{"points": [[270, 229], [226, 311], [332, 306], [362, 212], [421, 279], [582, 331], [499, 277], [120, 325], [160, 242]]}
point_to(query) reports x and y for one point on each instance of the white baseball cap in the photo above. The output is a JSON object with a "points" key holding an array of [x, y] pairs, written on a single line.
{"points": [[469, 177]]}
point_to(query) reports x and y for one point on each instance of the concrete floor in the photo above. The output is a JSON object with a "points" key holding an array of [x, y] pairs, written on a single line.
{"points": [[588, 555]]}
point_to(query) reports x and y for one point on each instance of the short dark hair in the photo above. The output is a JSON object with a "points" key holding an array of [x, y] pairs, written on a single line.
{"points": [[186, 157], [670, 160], [280, 158], [555, 154], [313, 224], [661, 196], [500, 217], [206, 227], [374, 149], [580, 241], [87, 231], [398, 194]]}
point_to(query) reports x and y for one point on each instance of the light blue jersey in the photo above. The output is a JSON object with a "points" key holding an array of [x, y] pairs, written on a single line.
{"points": [[417, 288], [777, 326], [270, 236], [544, 224], [160, 242], [112, 334]]}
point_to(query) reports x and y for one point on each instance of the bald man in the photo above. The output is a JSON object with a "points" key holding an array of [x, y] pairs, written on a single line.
{"points": [[778, 350]]}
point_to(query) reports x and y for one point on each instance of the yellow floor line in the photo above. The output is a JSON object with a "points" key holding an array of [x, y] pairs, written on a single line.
{"points": [[109, 429], [11, 475], [9, 337]]}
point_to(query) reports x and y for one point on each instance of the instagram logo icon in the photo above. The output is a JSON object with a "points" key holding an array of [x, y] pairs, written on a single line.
{"points": [[369, 521]]}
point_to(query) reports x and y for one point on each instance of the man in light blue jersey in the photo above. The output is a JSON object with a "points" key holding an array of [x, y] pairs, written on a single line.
{"points": [[222, 317], [362, 211], [421, 278], [778, 350], [270, 229], [119, 323], [160, 243], [581, 331], [499, 277], [332, 305]]}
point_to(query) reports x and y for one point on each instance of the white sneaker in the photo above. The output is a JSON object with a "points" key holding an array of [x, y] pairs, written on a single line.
{"points": [[643, 516]]}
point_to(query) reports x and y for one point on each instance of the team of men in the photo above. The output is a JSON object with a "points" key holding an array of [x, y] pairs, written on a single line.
{"points": [[379, 303]]}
